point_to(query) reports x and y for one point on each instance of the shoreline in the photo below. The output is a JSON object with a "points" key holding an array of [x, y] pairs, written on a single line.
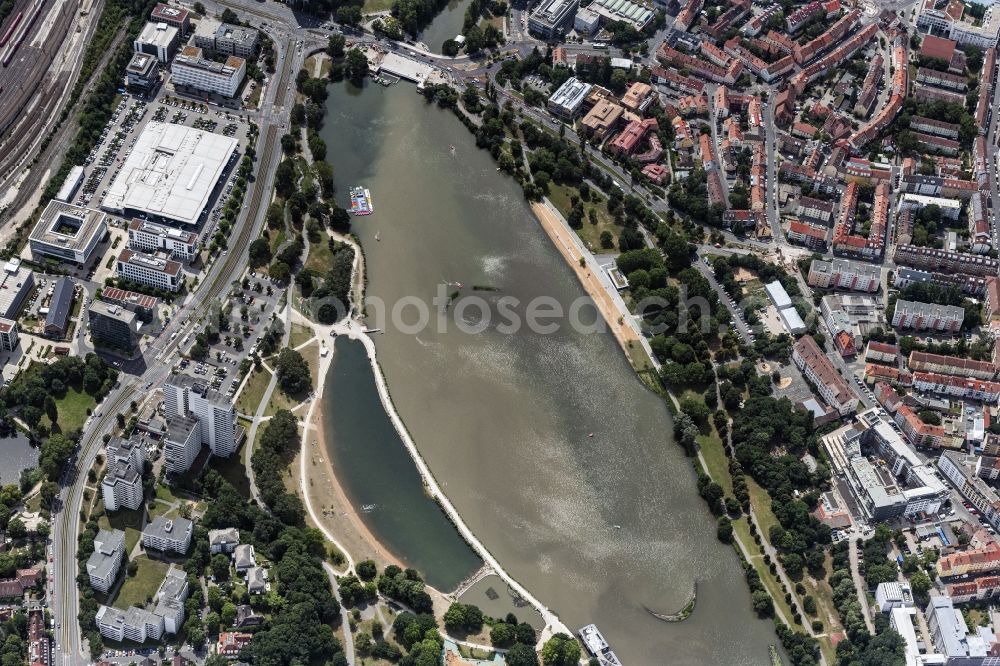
{"points": [[342, 506], [564, 239]]}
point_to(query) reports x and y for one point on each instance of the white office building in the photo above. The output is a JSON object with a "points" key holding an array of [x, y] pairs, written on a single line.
{"points": [[223, 78], [67, 232], [157, 39], [184, 396], [168, 534], [104, 562], [8, 334], [151, 237], [150, 270], [567, 101], [552, 18]]}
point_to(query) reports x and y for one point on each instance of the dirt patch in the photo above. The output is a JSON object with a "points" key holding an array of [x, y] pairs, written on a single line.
{"points": [[784, 382]]}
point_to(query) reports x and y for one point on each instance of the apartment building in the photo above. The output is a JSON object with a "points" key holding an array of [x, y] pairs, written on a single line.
{"points": [[121, 487], [841, 273], [150, 270], [958, 387], [810, 235], [948, 21], [184, 396], [181, 444], [168, 534], [991, 303], [818, 369], [949, 261], [973, 561], [927, 316], [881, 352], [170, 599], [925, 435], [951, 365], [133, 624], [150, 237], [104, 562], [960, 470]]}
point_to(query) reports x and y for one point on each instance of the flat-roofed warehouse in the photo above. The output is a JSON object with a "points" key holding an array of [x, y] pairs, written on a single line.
{"points": [[170, 173], [68, 232]]}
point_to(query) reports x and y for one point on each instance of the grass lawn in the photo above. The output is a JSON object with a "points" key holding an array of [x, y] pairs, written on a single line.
{"points": [[299, 335], [165, 493], [160, 509], [319, 258], [715, 458], [143, 585], [761, 502], [253, 391], [130, 522], [72, 411], [590, 233], [311, 355], [376, 6], [277, 237], [279, 400]]}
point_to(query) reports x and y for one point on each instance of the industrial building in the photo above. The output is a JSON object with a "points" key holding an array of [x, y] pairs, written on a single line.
{"points": [[142, 73], [149, 270], [16, 283], [170, 173], [159, 40], [567, 101], [193, 70], [151, 237], [551, 19], [184, 396], [114, 326], [72, 183], [67, 233], [60, 308]]}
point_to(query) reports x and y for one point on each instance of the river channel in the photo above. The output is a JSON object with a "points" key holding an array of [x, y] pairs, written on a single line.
{"points": [[552, 450]]}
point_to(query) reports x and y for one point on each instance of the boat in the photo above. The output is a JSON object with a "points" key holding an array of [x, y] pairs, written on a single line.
{"points": [[377, 237], [592, 639], [361, 201]]}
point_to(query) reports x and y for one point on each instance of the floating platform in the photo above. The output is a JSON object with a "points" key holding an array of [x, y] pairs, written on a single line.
{"points": [[598, 647], [361, 201]]}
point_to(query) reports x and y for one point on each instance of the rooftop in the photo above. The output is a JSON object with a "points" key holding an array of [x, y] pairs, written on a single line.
{"points": [[149, 261], [67, 226], [160, 34], [170, 172], [168, 528]]}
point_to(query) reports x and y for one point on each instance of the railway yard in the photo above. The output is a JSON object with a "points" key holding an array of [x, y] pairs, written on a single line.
{"points": [[41, 50]]}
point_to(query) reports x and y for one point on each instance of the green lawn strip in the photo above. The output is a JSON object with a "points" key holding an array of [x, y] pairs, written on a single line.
{"points": [[590, 233], [130, 522], [253, 392], [299, 334], [143, 585], [742, 532]]}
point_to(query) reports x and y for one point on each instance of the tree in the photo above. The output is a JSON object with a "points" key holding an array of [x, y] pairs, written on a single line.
{"points": [[367, 570], [724, 529], [16, 528], [335, 46], [763, 605], [293, 373], [228, 614], [220, 566], [502, 635], [521, 655], [259, 252], [357, 66], [561, 650]]}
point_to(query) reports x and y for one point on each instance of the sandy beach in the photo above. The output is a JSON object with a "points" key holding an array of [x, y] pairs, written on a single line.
{"points": [[563, 239], [337, 513]]}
